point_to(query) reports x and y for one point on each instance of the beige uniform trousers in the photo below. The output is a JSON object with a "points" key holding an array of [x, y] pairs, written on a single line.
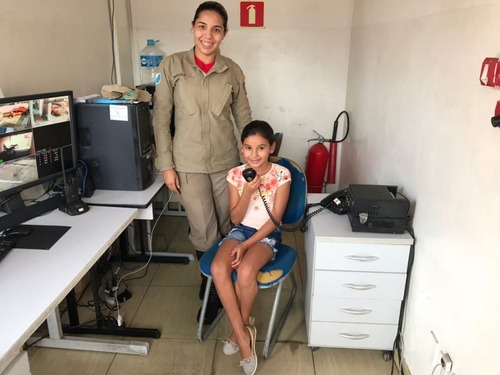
{"points": [[205, 196]]}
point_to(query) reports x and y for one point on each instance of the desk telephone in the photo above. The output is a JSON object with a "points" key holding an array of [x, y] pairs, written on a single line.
{"points": [[337, 202]]}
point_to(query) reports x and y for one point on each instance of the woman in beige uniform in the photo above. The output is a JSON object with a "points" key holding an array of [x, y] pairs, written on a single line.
{"points": [[202, 89]]}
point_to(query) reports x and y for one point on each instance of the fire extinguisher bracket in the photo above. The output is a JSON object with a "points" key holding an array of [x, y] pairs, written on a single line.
{"points": [[319, 157]]}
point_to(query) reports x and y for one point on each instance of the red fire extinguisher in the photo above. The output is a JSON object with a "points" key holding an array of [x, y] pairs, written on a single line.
{"points": [[319, 157]]}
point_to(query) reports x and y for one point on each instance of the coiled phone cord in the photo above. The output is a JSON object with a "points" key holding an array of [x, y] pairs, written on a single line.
{"points": [[305, 218]]}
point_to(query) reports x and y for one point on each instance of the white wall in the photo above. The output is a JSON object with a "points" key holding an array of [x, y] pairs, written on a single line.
{"points": [[296, 67], [54, 45], [421, 120]]}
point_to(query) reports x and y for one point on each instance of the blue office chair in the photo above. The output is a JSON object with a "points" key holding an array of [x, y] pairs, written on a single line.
{"points": [[273, 273]]}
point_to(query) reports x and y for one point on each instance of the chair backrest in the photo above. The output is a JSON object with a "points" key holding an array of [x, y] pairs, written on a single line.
{"points": [[298, 191], [278, 137]]}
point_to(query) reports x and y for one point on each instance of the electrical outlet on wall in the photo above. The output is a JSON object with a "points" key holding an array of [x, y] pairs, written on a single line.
{"points": [[446, 364], [441, 360]]}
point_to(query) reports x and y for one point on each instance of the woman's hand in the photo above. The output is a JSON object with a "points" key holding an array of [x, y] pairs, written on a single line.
{"points": [[171, 179], [238, 252]]}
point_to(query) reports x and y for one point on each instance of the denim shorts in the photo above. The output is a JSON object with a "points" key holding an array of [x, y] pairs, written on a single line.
{"points": [[241, 233]]}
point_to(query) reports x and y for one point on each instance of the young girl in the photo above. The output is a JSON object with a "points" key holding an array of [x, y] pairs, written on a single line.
{"points": [[253, 241]]}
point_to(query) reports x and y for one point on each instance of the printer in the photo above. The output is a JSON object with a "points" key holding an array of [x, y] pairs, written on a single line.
{"points": [[377, 209]]}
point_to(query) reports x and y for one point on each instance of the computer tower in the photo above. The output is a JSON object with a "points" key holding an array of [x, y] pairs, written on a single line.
{"points": [[114, 141]]}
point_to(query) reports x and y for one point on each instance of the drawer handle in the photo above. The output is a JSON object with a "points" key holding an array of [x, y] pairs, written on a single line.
{"points": [[361, 258], [356, 311], [360, 287], [354, 337]]}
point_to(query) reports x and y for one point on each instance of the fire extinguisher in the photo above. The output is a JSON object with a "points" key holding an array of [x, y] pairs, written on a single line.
{"points": [[319, 157]]}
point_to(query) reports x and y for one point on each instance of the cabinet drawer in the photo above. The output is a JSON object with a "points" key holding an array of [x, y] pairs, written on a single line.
{"points": [[359, 285], [352, 335], [362, 257], [355, 310]]}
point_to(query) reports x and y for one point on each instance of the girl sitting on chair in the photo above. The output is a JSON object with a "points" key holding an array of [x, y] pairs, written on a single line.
{"points": [[253, 241]]}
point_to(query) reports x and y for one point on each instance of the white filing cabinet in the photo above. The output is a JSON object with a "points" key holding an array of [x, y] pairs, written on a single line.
{"points": [[355, 283]]}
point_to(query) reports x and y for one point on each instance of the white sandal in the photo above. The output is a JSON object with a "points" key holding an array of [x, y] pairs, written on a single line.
{"points": [[230, 347], [250, 364]]}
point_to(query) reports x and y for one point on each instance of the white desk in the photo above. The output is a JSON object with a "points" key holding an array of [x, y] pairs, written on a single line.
{"points": [[141, 200], [34, 282]]}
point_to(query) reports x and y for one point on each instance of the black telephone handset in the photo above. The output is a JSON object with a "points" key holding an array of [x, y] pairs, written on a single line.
{"points": [[249, 174], [337, 202]]}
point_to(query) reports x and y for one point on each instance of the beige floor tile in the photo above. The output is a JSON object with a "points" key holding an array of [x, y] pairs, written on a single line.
{"points": [[171, 234], [171, 309], [294, 328], [329, 361], [44, 361], [288, 238], [286, 359], [178, 275], [136, 273], [165, 228], [168, 357]]}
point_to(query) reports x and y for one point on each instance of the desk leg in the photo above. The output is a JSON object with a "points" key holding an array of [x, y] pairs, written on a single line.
{"points": [[58, 340], [156, 256], [101, 328], [169, 256]]}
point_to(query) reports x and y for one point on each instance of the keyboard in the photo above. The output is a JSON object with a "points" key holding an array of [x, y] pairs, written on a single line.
{"points": [[5, 247]]}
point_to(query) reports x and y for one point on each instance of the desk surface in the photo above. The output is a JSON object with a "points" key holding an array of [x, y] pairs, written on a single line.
{"points": [[122, 198], [34, 282]]}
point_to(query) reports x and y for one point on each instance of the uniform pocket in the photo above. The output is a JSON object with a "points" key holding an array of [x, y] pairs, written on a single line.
{"points": [[225, 100], [183, 100]]}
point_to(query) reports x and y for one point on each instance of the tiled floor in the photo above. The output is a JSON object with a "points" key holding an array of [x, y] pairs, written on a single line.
{"points": [[167, 298]]}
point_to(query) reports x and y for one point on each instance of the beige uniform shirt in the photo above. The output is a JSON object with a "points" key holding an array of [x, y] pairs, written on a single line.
{"points": [[205, 140]]}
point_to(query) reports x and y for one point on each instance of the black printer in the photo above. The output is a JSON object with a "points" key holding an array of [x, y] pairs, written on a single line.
{"points": [[377, 209]]}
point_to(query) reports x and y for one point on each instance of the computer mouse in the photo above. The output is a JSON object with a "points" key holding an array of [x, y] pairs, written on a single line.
{"points": [[17, 232]]}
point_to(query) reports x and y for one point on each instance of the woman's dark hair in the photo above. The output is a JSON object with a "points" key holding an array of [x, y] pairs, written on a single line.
{"points": [[258, 127], [213, 6]]}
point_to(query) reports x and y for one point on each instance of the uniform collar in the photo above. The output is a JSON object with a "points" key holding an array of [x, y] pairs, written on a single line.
{"points": [[220, 62]]}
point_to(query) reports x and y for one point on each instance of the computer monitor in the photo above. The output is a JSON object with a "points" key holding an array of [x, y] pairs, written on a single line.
{"points": [[37, 134]]}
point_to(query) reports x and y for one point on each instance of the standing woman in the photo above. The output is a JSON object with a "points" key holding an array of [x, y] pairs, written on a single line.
{"points": [[201, 89]]}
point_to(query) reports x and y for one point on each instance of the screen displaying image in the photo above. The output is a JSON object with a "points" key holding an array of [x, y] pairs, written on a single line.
{"points": [[34, 131]]}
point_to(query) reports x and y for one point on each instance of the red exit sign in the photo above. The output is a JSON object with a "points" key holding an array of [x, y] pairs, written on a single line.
{"points": [[252, 14]]}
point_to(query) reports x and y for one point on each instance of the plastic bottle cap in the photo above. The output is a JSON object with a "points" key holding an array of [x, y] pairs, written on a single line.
{"points": [[151, 42]]}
